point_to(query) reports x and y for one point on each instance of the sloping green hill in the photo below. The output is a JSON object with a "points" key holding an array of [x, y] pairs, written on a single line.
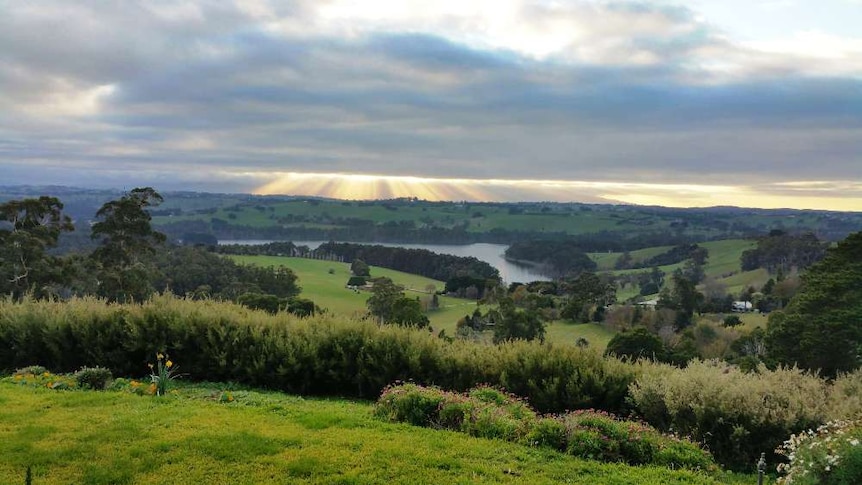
{"points": [[112, 437], [723, 264], [324, 282]]}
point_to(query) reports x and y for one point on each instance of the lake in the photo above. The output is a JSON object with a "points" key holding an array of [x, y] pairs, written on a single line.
{"points": [[490, 253]]}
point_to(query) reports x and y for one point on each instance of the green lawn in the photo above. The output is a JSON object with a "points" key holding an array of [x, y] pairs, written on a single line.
{"points": [[114, 437]]}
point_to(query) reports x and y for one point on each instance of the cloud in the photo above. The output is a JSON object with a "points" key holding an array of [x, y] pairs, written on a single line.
{"points": [[595, 91]]}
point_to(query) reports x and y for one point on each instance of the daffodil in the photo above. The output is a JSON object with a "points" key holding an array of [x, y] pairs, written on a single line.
{"points": [[169, 364], [160, 356]]}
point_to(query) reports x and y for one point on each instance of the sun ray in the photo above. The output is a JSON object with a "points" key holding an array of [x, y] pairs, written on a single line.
{"points": [[801, 195]]}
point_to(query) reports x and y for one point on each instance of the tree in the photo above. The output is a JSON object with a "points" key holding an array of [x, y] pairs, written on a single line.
{"points": [[684, 298], [584, 293], [511, 323], [257, 301], [408, 312], [27, 228], [637, 343], [384, 295], [781, 252], [126, 240], [356, 281], [821, 327], [302, 307], [359, 268]]}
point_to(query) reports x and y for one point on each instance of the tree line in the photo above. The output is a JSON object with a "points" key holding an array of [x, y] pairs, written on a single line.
{"points": [[130, 261], [422, 262]]}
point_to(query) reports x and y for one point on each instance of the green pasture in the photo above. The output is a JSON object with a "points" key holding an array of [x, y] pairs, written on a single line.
{"points": [[476, 217], [324, 282], [737, 282], [723, 264], [120, 438], [568, 333], [607, 260], [723, 258]]}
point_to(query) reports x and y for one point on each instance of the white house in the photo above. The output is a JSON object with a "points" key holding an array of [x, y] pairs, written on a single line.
{"points": [[742, 306]]}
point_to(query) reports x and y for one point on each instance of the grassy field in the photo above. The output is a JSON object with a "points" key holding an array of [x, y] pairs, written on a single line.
{"points": [[478, 217], [723, 265], [323, 282], [551, 218], [723, 258], [113, 437], [327, 290], [606, 261], [564, 332]]}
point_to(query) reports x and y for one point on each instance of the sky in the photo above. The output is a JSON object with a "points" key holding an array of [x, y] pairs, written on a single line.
{"points": [[678, 103]]}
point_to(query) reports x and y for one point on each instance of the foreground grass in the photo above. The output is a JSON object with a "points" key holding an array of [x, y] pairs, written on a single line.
{"points": [[106, 437]]}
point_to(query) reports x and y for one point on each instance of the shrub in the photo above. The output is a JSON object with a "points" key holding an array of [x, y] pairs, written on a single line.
{"points": [[488, 420], [454, 412], [488, 412], [548, 431], [638, 343], [513, 404], [845, 397], [410, 403], [736, 414], [599, 435], [31, 369], [732, 321], [93, 378], [831, 455], [28, 376], [356, 281]]}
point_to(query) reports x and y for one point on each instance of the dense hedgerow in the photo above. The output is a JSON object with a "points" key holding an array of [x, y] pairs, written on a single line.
{"points": [[490, 413], [322, 355], [737, 415]]}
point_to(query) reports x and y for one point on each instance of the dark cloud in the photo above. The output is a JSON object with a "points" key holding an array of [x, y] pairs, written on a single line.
{"points": [[211, 87]]}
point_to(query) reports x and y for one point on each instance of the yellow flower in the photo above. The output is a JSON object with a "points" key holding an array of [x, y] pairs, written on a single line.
{"points": [[47, 374], [169, 364], [160, 356]]}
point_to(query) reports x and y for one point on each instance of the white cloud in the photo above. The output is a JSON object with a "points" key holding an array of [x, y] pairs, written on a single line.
{"points": [[823, 53]]}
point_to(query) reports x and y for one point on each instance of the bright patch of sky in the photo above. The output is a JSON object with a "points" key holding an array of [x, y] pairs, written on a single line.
{"points": [[770, 20]]}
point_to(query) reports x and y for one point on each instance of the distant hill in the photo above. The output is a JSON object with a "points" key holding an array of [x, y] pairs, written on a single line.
{"points": [[594, 227]]}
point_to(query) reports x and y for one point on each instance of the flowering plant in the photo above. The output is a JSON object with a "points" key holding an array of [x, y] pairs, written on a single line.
{"points": [[162, 373], [831, 454]]}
